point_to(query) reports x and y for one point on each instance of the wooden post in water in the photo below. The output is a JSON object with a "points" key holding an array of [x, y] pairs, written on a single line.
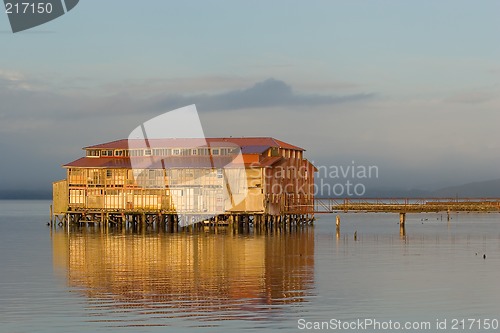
{"points": [[402, 230], [402, 218]]}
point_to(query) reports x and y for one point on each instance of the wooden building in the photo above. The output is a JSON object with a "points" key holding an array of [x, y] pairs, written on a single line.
{"points": [[159, 180]]}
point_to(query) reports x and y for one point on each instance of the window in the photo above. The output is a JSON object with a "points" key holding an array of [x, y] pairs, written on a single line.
{"points": [[137, 152], [194, 152], [228, 151], [109, 173], [147, 152], [176, 152], [162, 152], [93, 153], [215, 151], [112, 192], [118, 152], [219, 173]]}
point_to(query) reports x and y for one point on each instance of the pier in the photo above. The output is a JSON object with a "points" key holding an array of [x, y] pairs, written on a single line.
{"points": [[405, 205]]}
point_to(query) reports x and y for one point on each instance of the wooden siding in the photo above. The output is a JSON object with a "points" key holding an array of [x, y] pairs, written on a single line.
{"points": [[60, 196], [211, 191]]}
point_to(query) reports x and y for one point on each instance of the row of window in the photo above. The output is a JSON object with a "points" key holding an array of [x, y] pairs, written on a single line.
{"points": [[161, 152], [156, 176]]}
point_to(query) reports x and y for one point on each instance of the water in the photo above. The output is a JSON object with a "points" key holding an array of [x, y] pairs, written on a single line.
{"points": [[88, 281]]}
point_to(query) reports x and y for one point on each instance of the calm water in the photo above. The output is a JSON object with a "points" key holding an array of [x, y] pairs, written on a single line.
{"points": [[87, 281]]}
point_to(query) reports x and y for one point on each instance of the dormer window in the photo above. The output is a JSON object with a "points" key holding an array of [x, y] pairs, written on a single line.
{"points": [[136, 152], [93, 153]]}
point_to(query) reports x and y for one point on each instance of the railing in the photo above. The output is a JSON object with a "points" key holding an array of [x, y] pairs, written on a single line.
{"points": [[331, 205]]}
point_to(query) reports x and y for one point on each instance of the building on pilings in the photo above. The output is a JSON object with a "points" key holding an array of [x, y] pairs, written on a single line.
{"points": [[213, 177]]}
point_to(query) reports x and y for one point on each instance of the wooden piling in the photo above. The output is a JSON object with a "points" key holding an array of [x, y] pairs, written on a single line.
{"points": [[402, 218], [402, 230]]}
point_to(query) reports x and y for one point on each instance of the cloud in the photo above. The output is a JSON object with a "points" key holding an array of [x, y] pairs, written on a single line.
{"points": [[27, 102], [12, 80], [414, 141], [472, 97], [264, 94]]}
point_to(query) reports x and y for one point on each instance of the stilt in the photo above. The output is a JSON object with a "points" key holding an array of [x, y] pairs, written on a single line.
{"points": [[402, 230], [402, 218], [176, 222]]}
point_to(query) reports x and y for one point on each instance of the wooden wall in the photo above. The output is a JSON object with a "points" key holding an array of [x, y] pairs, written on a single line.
{"points": [[60, 197], [209, 191]]}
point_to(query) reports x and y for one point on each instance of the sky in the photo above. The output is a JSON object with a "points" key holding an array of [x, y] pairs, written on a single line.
{"points": [[412, 87]]}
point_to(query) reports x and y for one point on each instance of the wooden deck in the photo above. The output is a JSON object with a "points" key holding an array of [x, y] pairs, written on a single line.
{"points": [[405, 205]]}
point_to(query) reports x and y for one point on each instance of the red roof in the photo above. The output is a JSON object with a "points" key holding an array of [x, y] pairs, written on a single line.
{"points": [[194, 142], [259, 150], [270, 161]]}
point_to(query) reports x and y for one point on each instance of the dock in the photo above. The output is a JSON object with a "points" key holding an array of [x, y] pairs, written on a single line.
{"points": [[405, 205], [402, 206]]}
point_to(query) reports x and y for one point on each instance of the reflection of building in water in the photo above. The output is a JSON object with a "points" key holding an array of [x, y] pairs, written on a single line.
{"points": [[182, 271]]}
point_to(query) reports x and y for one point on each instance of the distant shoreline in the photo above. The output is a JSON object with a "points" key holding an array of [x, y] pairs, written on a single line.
{"points": [[25, 195]]}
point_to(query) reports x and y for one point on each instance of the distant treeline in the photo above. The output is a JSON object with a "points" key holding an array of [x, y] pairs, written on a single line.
{"points": [[25, 195]]}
